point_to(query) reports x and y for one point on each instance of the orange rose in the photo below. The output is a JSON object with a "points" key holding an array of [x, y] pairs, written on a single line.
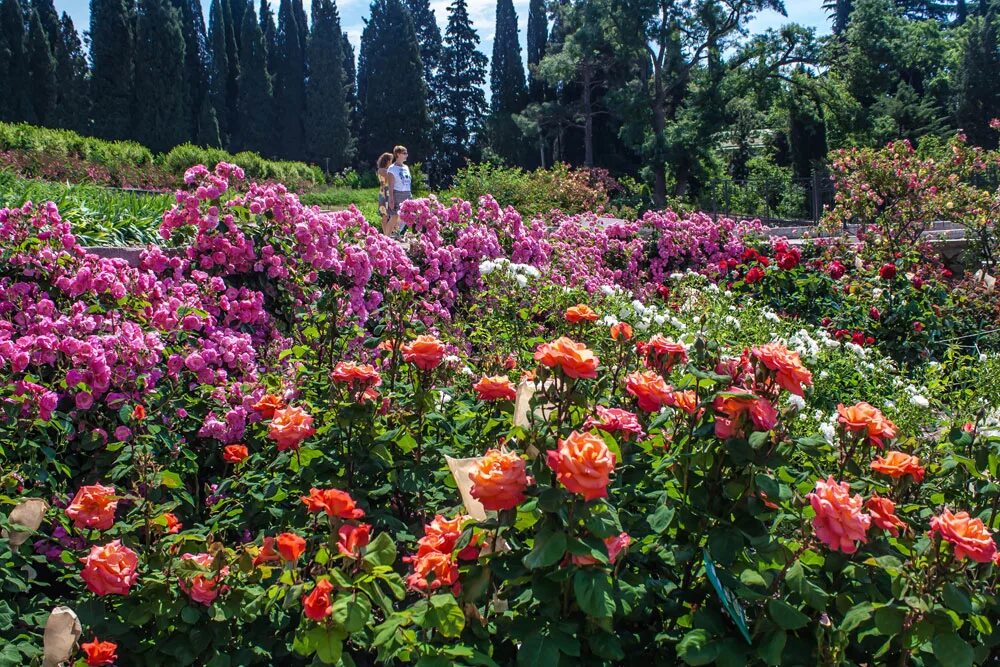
{"points": [[442, 535], [334, 502], [111, 569], [647, 386], [267, 405], [580, 313], [866, 418], [100, 653], [662, 354], [621, 330], [235, 453], [683, 400], [267, 553], [426, 352], [883, 513], [317, 604], [93, 506], [969, 536], [202, 588], [840, 522], [290, 546], [496, 388], [174, 524], [353, 539], [786, 365], [431, 571], [362, 376], [575, 360], [139, 413], [583, 464], [499, 480], [290, 427], [897, 464]]}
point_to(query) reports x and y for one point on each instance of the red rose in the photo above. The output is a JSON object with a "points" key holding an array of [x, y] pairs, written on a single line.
{"points": [[100, 653], [887, 271]]}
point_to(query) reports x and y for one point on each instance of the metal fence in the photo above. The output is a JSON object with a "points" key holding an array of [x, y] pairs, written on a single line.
{"points": [[777, 202]]}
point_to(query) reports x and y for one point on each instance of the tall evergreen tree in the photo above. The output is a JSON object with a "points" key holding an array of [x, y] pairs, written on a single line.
{"points": [[73, 99], [195, 61], [300, 20], [50, 21], [111, 74], [289, 89], [256, 104], [462, 75], [328, 121], [218, 69], [977, 89], [41, 72], [351, 84], [507, 88], [270, 32], [161, 119], [233, 63], [392, 96], [428, 36], [16, 103], [538, 36]]}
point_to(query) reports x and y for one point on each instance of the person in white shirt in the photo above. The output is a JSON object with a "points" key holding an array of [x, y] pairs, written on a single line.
{"points": [[401, 185]]}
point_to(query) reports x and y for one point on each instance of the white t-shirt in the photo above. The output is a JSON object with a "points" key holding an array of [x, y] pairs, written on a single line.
{"points": [[401, 174]]}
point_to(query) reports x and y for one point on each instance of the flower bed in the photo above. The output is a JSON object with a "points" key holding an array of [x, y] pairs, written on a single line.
{"points": [[244, 450]]}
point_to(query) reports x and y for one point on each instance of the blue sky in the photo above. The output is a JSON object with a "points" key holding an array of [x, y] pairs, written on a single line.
{"points": [[353, 12]]}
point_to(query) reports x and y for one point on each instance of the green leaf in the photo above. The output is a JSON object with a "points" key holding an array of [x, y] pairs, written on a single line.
{"points": [[786, 616], [445, 615], [352, 611], [380, 551], [170, 479], [725, 544], [328, 642], [593, 592], [537, 650], [660, 520], [698, 648], [406, 443], [772, 647], [550, 545], [857, 615], [889, 621], [957, 599], [952, 650], [6, 615]]}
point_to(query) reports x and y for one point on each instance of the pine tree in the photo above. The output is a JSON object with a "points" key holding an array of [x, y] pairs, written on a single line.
{"points": [[977, 89], [328, 130], [538, 36], [233, 63], [289, 89], [270, 32], [195, 61], [462, 74], [351, 83], [161, 120], [41, 72], [73, 99], [50, 21], [392, 96], [16, 103], [111, 75], [218, 69], [256, 104], [506, 85], [428, 36]]}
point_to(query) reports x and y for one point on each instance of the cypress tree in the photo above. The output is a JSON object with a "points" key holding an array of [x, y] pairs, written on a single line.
{"points": [[195, 60], [73, 100], [161, 120], [233, 62], [238, 8], [462, 75], [977, 89], [208, 125], [428, 36], [111, 78], [270, 32], [50, 21], [289, 89], [16, 101], [41, 72], [256, 105], [506, 85], [350, 83], [218, 69], [392, 96], [300, 21], [328, 130], [538, 35]]}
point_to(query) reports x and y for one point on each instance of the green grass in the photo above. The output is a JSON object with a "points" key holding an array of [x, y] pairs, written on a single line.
{"points": [[366, 199], [100, 216]]}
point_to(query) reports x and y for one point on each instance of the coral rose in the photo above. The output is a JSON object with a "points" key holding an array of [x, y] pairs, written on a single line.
{"points": [[426, 352], [317, 604], [174, 524], [202, 588], [442, 535], [111, 569], [583, 464], [290, 427], [649, 388], [614, 544], [139, 413], [499, 480], [840, 522], [334, 502], [267, 553], [267, 405], [431, 571], [883, 513], [580, 313], [621, 331], [969, 536], [99, 653], [290, 546], [353, 538], [663, 354], [575, 360], [867, 419], [615, 420], [93, 506], [786, 365], [235, 453], [686, 400], [496, 388], [356, 375], [898, 464]]}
